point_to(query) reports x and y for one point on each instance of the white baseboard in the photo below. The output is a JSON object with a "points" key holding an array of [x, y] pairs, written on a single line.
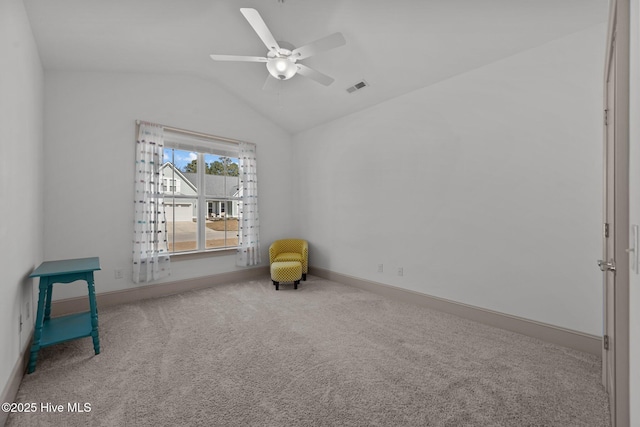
{"points": [[106, 299], [542, 331], [11, 388]]}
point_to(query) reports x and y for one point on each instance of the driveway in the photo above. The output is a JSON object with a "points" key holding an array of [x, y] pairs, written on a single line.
{"points": [[186, 231]]}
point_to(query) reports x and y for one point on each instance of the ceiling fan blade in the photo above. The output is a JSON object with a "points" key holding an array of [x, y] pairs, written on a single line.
{"points": [[321, 45], [255, 20], [314, 75], [238, 58]]}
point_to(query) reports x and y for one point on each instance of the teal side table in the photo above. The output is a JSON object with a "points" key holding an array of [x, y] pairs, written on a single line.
{"points": [[50, 331]]}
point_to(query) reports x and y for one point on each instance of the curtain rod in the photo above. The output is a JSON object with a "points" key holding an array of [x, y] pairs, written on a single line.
{"points": [[189, 132]]}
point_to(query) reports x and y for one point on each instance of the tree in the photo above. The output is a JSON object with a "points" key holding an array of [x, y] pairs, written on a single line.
{"points": [[191, 167], [224, 166], [233, 169]]}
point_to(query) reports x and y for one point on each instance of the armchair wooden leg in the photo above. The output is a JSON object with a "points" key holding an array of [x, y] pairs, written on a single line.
{"points": [[277, 285], [304, 276], [295, 284]]}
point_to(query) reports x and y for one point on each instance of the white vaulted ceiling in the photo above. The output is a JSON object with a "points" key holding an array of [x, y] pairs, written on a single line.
{"points": [[396, 46]]}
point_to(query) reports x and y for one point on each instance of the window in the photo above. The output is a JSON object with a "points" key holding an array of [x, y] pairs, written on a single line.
{"points": [[171, 185], [201, 193]]}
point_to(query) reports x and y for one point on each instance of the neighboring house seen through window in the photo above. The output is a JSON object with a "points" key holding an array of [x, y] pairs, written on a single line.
{"points": [[201, 194]]}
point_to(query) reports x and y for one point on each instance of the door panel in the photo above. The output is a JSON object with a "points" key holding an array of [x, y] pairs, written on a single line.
{"points": [[616, 213], [608, 350]]}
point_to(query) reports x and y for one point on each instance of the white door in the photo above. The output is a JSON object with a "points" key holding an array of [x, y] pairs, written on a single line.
{"points": [[615, 259], [607, 264]]}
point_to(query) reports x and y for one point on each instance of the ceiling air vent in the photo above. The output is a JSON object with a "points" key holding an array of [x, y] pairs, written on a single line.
{"points": [[357, 86]]}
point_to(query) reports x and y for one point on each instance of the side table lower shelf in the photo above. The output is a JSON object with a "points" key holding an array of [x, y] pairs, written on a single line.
{"points": [[66, 328]]}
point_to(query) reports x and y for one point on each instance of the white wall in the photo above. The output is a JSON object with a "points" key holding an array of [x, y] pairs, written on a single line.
{"points": [[90, 132], [486, 188], [21, 224], [634, 209]]}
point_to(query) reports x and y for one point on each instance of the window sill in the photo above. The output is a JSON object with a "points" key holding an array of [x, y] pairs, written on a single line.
{"points": [[179, 256]]}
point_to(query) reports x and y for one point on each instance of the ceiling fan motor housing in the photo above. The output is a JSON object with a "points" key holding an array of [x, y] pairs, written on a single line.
{"points": [[281, 67]]}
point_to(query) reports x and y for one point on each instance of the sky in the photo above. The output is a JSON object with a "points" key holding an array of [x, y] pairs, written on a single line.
{"points": [[181, 158]]}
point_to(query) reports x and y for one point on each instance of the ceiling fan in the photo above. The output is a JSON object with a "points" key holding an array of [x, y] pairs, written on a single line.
{"points": [[282, 58]]}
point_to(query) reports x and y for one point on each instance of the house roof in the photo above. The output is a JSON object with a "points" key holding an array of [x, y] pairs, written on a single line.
{"points": [[216, 185]]}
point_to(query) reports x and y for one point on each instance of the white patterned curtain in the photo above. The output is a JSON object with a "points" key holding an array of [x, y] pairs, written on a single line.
{"points": [[150, 251], [248, 233]]}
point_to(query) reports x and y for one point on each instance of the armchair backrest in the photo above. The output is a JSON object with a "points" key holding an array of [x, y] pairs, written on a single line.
{"points": [[290, 245]]}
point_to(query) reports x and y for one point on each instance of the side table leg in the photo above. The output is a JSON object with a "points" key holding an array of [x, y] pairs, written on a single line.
{"points": [[94, 313], [47, 307], [37, 334]]}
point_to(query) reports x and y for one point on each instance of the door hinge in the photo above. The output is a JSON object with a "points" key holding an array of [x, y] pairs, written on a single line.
{"points": [[606, 342], [606, 117], [605, 230]]}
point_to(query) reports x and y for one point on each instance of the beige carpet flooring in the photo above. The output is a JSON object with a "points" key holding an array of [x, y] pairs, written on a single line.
{"points": [[323, 355]]}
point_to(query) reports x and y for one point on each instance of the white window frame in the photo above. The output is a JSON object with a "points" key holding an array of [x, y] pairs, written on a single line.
{"points": [[201, 146]]}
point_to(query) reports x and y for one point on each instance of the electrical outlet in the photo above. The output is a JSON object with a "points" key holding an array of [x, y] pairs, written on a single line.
{"points": [[380, 268], [400, 271], [117, 273]]}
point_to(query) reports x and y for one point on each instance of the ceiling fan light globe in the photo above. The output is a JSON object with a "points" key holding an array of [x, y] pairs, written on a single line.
{"points": [[281, 65], [281, 68]]}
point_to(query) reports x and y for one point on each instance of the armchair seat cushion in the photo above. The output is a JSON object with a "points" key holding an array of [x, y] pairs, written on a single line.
{"points": [[288, 256]]}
